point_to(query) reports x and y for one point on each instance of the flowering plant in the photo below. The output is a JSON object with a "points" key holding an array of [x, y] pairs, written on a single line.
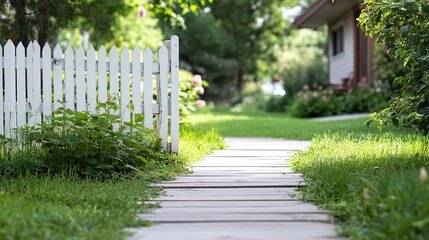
{"points": [[191, 89]]}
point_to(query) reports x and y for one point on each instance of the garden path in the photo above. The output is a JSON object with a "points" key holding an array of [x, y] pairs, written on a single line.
{"points": [[242, 192]]}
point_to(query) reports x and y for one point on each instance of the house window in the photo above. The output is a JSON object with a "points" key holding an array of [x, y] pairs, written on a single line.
{"points": [[337, 41]]}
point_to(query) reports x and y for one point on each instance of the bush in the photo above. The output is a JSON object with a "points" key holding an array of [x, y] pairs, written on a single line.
{"points": [[90, 145], [313, 103], [319, 102]]}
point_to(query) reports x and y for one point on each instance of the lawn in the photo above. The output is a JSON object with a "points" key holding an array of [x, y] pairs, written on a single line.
{"points": [[64, 206], [261, 124], [374, 182]]}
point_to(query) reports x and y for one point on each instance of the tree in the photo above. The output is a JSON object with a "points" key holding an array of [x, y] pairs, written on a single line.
{"points": [[256, 26], [25, 20], [401, 26]]}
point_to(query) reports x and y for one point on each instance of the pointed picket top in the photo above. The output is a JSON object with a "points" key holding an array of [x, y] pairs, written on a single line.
{"points": [[79, 50], [163, 49], [124, 53], [136, 49], [46, 49], [35, 46], [113, 51], [147, 52], [69, 50], [9, 44], [101, 49], [20, 47], [90, 49]]}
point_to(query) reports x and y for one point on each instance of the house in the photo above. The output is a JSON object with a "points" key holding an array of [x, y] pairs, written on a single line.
{"points": [[350, 51]]}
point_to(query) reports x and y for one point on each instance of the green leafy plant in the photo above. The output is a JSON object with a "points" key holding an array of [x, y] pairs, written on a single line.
{"points": [[401, 26], [91, 145]]}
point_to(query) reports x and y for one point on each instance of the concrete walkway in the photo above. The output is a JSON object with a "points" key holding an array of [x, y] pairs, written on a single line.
{"points": [[239, 193]]}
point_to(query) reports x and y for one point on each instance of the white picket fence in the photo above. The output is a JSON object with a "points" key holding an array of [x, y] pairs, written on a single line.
{"points": [[32, 82]]}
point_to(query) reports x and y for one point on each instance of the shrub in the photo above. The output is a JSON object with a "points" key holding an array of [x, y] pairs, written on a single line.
{"points": [[318, 102], [313, 103], [90, 145]]}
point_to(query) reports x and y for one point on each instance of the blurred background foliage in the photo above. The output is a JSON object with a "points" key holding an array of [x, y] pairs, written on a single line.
{"points": [[237, 46]]}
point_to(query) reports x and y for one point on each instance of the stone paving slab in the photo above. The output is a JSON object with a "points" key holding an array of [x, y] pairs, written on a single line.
{"points": [[245, 192]]}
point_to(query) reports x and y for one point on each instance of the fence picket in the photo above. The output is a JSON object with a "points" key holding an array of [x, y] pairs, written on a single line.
{"points": [[174, 107], [113, 67], [148, 88], [1, 92], [163, 95], [30, 84], [102, 75], [69, 79], [58, 71], [80, 80], [20, 86], [125, 85], [9, 73], [91, 81], [137, 87], [47, 81], [36, 82]]}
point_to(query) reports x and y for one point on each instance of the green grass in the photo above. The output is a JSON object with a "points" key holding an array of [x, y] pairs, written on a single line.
{"points": [[67, 207], [369, 179], [261, 124], [370, 182]]}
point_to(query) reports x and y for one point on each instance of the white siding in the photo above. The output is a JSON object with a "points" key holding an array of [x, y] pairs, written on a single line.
{"points": [[342, 65]]}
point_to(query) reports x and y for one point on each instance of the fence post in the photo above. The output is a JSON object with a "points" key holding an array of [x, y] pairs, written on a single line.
{"points": [[174, 68]]}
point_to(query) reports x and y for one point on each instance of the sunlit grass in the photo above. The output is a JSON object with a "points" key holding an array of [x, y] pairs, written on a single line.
{"points": [[262, 124], [371, 182]]}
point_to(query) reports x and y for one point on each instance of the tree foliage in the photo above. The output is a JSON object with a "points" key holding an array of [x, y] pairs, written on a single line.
{"points": [[402, 27], [256, 27], [26, 20]]}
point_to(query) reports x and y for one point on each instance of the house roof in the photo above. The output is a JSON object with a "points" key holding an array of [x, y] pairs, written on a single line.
{"points": [[323, 12]]}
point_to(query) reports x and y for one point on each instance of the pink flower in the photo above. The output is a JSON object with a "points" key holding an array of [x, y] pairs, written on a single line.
{"points": [[200, 90], [305, 96], [141, 12], [314, 94], [305, 87], [196, 80], [200, 103]]}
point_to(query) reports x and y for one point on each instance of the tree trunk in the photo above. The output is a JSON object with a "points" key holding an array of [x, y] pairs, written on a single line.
{"points": [[44, 24], [20, 24]]}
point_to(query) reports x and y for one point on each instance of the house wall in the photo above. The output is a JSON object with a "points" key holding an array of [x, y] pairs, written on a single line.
{"points": [[341, 66]]}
